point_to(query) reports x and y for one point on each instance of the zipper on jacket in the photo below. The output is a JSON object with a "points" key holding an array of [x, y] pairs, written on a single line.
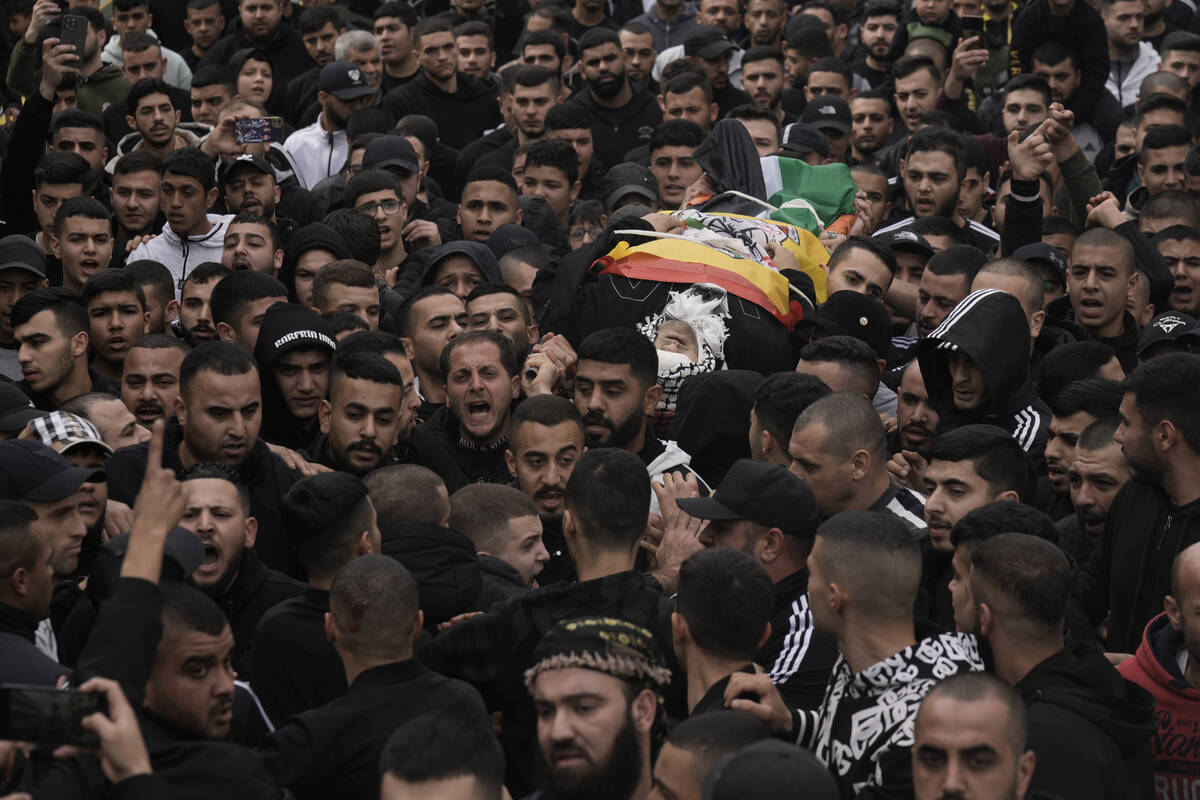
{"points": [[1162, 536]]}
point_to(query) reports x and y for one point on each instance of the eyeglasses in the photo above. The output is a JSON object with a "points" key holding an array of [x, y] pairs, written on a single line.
{"points": [[390, 207], [577, 234]]}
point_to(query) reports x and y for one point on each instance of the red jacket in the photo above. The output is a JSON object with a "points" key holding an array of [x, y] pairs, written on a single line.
{"points": [[1176, 742]]}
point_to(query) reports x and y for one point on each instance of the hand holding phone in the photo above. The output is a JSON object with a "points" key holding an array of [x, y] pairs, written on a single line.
{"points": [[74, 32], [257, 130], [43, 715]]}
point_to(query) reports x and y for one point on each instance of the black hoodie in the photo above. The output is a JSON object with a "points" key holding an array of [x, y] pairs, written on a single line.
{"points": [[616, 131], [1089, 727], [461, 117], [1125, 344], [289, 57], [287, 327], [316, 236], [990, 327], [480, 463]]}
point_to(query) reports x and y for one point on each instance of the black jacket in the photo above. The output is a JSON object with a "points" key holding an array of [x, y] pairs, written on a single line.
{"points": [[492, 651], [1129, 571], [20, 660], [419, 448], [616, 131], [1080, 30], [99, 384], [990, 327], [295, 666], [469, 156], [1125, 344], [254, 592], [1089, 727], [333, 751], [798, 657], [461, 117], [289, 57], [287, 327], [265, 474], [479, 464]]}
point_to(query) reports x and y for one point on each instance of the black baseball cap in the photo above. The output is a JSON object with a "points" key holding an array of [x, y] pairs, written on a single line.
{"points": [[905, 240], [245, 161], [344, 80], [32, 471], [769, 768], [183, 547], [18, 251], [626, 179], [1047, 254], [803, 139], [706, 41], [509, 237], [850, 313], [1169, 326], [764, 493], [16, 409], [391, 151], [827, 111]]}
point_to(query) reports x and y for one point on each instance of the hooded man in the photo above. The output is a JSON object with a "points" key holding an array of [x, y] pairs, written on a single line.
{"points": [[306, 254], [294, 350], [460, 267], [976, 369]]}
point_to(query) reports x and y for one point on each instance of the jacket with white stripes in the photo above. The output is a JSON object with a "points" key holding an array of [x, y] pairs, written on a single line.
{"points": [[991, 328], [797, 656]]}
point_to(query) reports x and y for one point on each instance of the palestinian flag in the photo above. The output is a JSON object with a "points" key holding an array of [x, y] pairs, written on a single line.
{"points": [[806, 196]]}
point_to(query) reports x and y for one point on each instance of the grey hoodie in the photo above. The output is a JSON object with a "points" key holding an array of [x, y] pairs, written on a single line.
{"points": [[192, 133], [182, 255]]}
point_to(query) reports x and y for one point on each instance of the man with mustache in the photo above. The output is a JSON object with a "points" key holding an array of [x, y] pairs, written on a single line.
{"points": [[195, 310], [155, 117], [916, 420], [1098, 472], [368, 410], [250, 187], [294, 350], [319, 150], [1075, 406], [219, 415], [150, 377], [218, 512]]}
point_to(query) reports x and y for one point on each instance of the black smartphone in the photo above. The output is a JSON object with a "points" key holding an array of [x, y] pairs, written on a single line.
{"points": [[258, 129], [74, 31], [972, 26], [48, 716]]}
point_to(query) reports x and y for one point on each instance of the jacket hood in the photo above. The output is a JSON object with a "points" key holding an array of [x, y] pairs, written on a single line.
{"points": [[1080, 679], [191, 132], [287, 327], [316, 236], [731, 162], [990, 327], [443, 562], [1157, 657], [478, 253], [106, 74]]}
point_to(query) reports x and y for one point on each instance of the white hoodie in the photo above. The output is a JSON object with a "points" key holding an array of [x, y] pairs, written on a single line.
{"points": [[1125, 77], [177, 73], [181, 255]]}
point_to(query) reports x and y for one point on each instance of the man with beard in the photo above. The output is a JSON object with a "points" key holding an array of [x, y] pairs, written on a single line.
{"points": [[623, 116], [535, 91], [427, 321], [367, 411], [218, 512], [916, 420], [1097, 474], [252, 242], [195, 310], [320, 150], [933, 167], [1089, 728], [708, 47], [1076, 406], [294, 350], [219, 412], [871, 120], [135, 198], [971, 736], [412, 445], [250, 187], [150, 377], [1155, 515], [479, 376], [545, 439], [616, 389], [603, 750], [762, 78], [880, 21], [498, 307], [261, 25], [331, 522], [51, 326]]}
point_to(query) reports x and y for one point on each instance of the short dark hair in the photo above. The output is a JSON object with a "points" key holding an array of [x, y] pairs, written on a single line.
{"points": [[1029, 82], [508, 356], [937, 225], [482, 511], [206, 271], [608, 494], [1070, 362], [882, 8], [445, 744], [993, 453], [20, 547], [161, 341], [147, 273], [1159, 102], [567, 116], [762, 52], [486, 172], [959, 259], [324, 515], [1031, 573], [190, 162], [1003, 516], [979, 686], [1055, 52], [846, 351], [407, 493], [622, 346], [111, 280], [70, 313], [363, 366], [218, 470], [139, 43], [557, 154], [369, 181], [484, 289], [342, 321], [138, 161], [876, 557], [1096, 396], [598, 36], [530, 75], [1172, 203], [185, 608], [146, 87], [725, 596], [710, 736], [676, 133], [223, 358], [939, 140], [371, 342], [313, 18], [87, 207], [237, 290], [909, 65], [871, 245], [404, 318], [57, 168], [1164, 388], [400, 10], [361, 234], [214, 75], [250, 218], [1162, 137], [75, 118], [551, 38], [682, 84], [343, 272], [835, 65], [1099, 434], [428, 26], [1185, 41], [381, 598], [547, 410], [782, 397]]}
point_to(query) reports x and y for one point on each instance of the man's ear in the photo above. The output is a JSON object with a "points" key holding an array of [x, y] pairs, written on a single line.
{"points": [[520, 215], [1035, 327], [362, 547], [131, 122], [180, 409], [278, 262], [1141, 173], [325, 416], [1007, 496], [510, 461], [172, 309], [225, 332], [408, 346], [330, 628], [55, 247], [516, 386], [773, 545], [79, 344], [766, 442], [212, 194], [643, 710], [987, 621], [145, 322], [662, 105], [1174, 614], [714, 111], [650, 401], [418, 626], [766, 634], [860, 464], [575, 190], [251, 531]]}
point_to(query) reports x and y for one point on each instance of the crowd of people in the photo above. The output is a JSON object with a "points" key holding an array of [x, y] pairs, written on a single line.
{"points": [[610, 400]]}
